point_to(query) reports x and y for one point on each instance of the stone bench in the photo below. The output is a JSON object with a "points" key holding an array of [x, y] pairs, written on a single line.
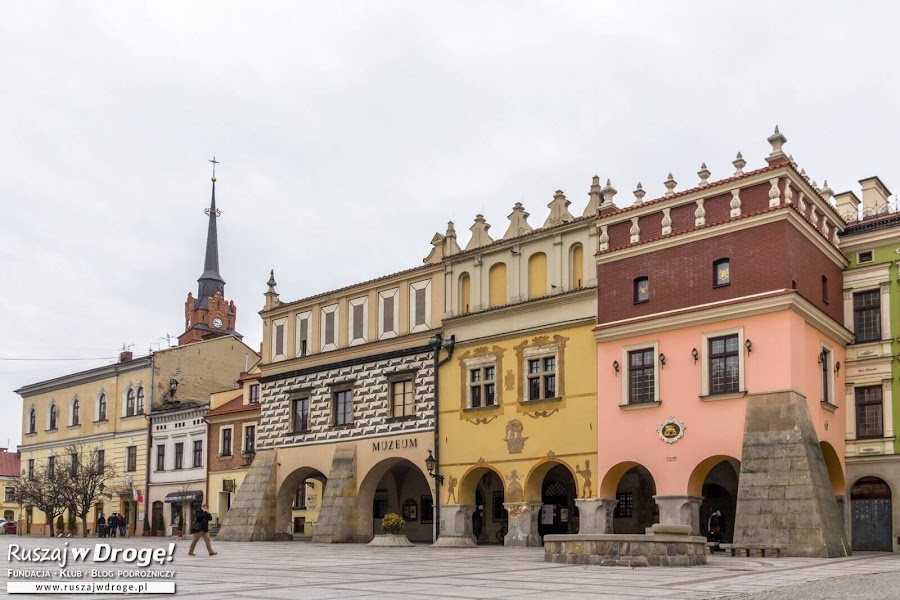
{"points": [[759, 550]]}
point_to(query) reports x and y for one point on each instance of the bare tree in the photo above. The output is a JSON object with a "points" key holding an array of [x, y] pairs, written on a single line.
{"points": [[87, 477], [45, 489]]}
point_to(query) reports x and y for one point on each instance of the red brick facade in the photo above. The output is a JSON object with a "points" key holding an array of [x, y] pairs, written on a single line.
{"points": [[198, 320], [236, 420]]}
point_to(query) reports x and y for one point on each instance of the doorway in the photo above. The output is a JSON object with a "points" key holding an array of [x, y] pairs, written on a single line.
{"points": [[870, 501]]}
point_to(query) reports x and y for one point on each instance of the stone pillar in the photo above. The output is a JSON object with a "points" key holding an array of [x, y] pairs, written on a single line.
{"points": [[456, 527], [523, 524], [680, 510], [595, 515]]}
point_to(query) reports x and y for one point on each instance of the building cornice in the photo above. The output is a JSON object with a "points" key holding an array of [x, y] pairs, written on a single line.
{"points": [[526, 306], [535, 234], [349, 362], [80, 378], [757, 304]]}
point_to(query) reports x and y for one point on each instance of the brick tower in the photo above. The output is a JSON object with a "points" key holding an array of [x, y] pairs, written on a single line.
{"points": [[209, 314]]}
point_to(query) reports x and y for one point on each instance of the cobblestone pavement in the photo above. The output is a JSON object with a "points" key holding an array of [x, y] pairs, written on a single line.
{"points": [[282, 570]]}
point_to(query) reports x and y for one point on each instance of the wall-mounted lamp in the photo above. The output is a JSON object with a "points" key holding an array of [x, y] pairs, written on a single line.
{"points": [[821, 357], [662, 360], [748, 345], [616, 366], [837, 368], [695, 354], [430, 462]]}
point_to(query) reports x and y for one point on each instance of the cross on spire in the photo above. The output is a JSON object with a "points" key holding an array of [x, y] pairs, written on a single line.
{"points": [[214, 163]]}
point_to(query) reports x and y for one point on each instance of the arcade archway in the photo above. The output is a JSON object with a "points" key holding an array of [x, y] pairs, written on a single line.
{"points": [[395, 485], [636, 509], [298, 502], [716, 480], [483, 489]]}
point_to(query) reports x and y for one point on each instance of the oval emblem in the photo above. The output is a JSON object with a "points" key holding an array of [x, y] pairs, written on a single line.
{"points": [[671, 430]]}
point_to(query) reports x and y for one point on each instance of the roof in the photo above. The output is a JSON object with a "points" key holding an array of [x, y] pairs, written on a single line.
{"points": [[523, 236], [884, 221], [10, 464], [235, 405]]}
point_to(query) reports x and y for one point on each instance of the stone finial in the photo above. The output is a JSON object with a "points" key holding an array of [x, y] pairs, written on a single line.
{"points": [[594, 195], [814, 185], [559, 210], [703, 174], [826, 191], [271, 283], [271, 295], [793, 162], [480, 236], [608, 192], [518, 222], [670, 184], [639, 193], [803, 174], [777, 140], [739, 164], [451, 246]]}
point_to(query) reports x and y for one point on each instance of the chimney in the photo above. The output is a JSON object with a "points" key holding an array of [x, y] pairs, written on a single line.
{"points": [[874, 196], [847, 205], [125, 356]]}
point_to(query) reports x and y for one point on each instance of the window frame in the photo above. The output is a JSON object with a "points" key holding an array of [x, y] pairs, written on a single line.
{"points": [[625, 400], [253, 393], [335, 310], [305, 316], [876, 292], [101, 460], [6, 493], [824, 289], [75, 410], [414, 287], [705, 387], [139, 404], [542, 376], [130, 402], [363, 303], [52, 417], [857, 404], [294, 414], [636, 289], [102, 407], [827, 377], [160, 457], [223, 429], [393, 382], [246, 430], [383, 296], [30, 469], [481, 385], [724, 356], [130, 458], [716, 264], [32, 420], [197, 454], [859, 255], [179, 456], [339, 395], [278, 356]]}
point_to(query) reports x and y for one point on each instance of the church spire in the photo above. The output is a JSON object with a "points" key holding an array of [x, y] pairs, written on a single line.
{"points": [[211, 281]]}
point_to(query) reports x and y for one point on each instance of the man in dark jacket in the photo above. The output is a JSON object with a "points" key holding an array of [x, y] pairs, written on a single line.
{"points": [[101, 525], [113, 523], [201, 530]]}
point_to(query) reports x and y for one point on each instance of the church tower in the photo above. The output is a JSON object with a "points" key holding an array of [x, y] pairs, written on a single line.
{"points": [[209, 315]]}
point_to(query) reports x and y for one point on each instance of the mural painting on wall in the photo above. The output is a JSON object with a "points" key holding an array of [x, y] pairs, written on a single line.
{"points": [[509, 381], [451, 490], [671, 430], [514, 493], [515, 442], [586, 487]]}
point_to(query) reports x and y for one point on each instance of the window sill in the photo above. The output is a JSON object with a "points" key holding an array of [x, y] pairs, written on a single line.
{"points": [[829, 406], [31, 434], [75, 426], [540, 401], [229, 455], [640, 405], [134, 416], [55, 429], [722, 396], [875, 438], [481, 408], [400, 419], [101, 421], [342, 426]]}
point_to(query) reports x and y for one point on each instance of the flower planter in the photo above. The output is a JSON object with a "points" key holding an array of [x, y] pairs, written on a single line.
{"points": [[390, 541], [159, 533]]}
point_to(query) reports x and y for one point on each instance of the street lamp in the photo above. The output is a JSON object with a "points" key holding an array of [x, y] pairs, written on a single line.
{"points": [[430, 463]]}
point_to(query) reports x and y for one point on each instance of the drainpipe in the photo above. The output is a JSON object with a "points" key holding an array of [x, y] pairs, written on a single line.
{"points": [[148, 408], [437, 343]]}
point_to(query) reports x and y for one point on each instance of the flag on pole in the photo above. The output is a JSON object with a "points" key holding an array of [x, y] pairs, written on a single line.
{"points": [[136, 495]]}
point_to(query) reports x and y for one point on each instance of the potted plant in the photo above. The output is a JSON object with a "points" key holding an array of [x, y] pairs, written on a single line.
{"points": [[391, 533], [146, 529]]}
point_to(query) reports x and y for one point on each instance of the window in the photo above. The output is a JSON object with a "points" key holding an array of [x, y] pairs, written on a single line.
{"points": [[301, 414], [129, 403], [724, 364], [359, 321], [537, 275], [303, 321], [402, 404], [101, 407], [864, 257], [420, 306], [328, 321], [465, 293], [51, 421], [577, 266], [73, 464], [825, 360], [250, 439], [76, 412], [101, 461], [32, 420], [541, 377], [388, 313], [426, 514], [140, 400], [254, 394], [482, 386], [131, 458], [624, 506], [722, 272], [869, 406], [343, 407], [51, 467], [497, 285], [279, 339], [198, 453], [641, 290], [179, 455], [226, 441], [867, 315], [30, 469], [641, 376], [160, 457], [824, 289], [9, 494], [300, 497]]}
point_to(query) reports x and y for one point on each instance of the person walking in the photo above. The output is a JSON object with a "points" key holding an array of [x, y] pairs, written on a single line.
{"points": [[123, 524], [714, 527], [200, 529], [101, 526], [113, 523]]}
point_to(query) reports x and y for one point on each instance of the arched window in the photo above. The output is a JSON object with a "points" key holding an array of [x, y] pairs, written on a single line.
{"points": [[32, 420], [129, 403], [497, 285], [101, 407], [76, 412], [140, 400], [51, 417], [465, 293], [537, 275], [576, 266]]}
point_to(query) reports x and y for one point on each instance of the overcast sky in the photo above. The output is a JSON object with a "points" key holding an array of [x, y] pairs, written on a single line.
{"points": [[348, 133]]}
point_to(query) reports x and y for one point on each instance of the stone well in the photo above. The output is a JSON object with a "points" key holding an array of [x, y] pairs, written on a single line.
{"points": [[661, 546]]}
